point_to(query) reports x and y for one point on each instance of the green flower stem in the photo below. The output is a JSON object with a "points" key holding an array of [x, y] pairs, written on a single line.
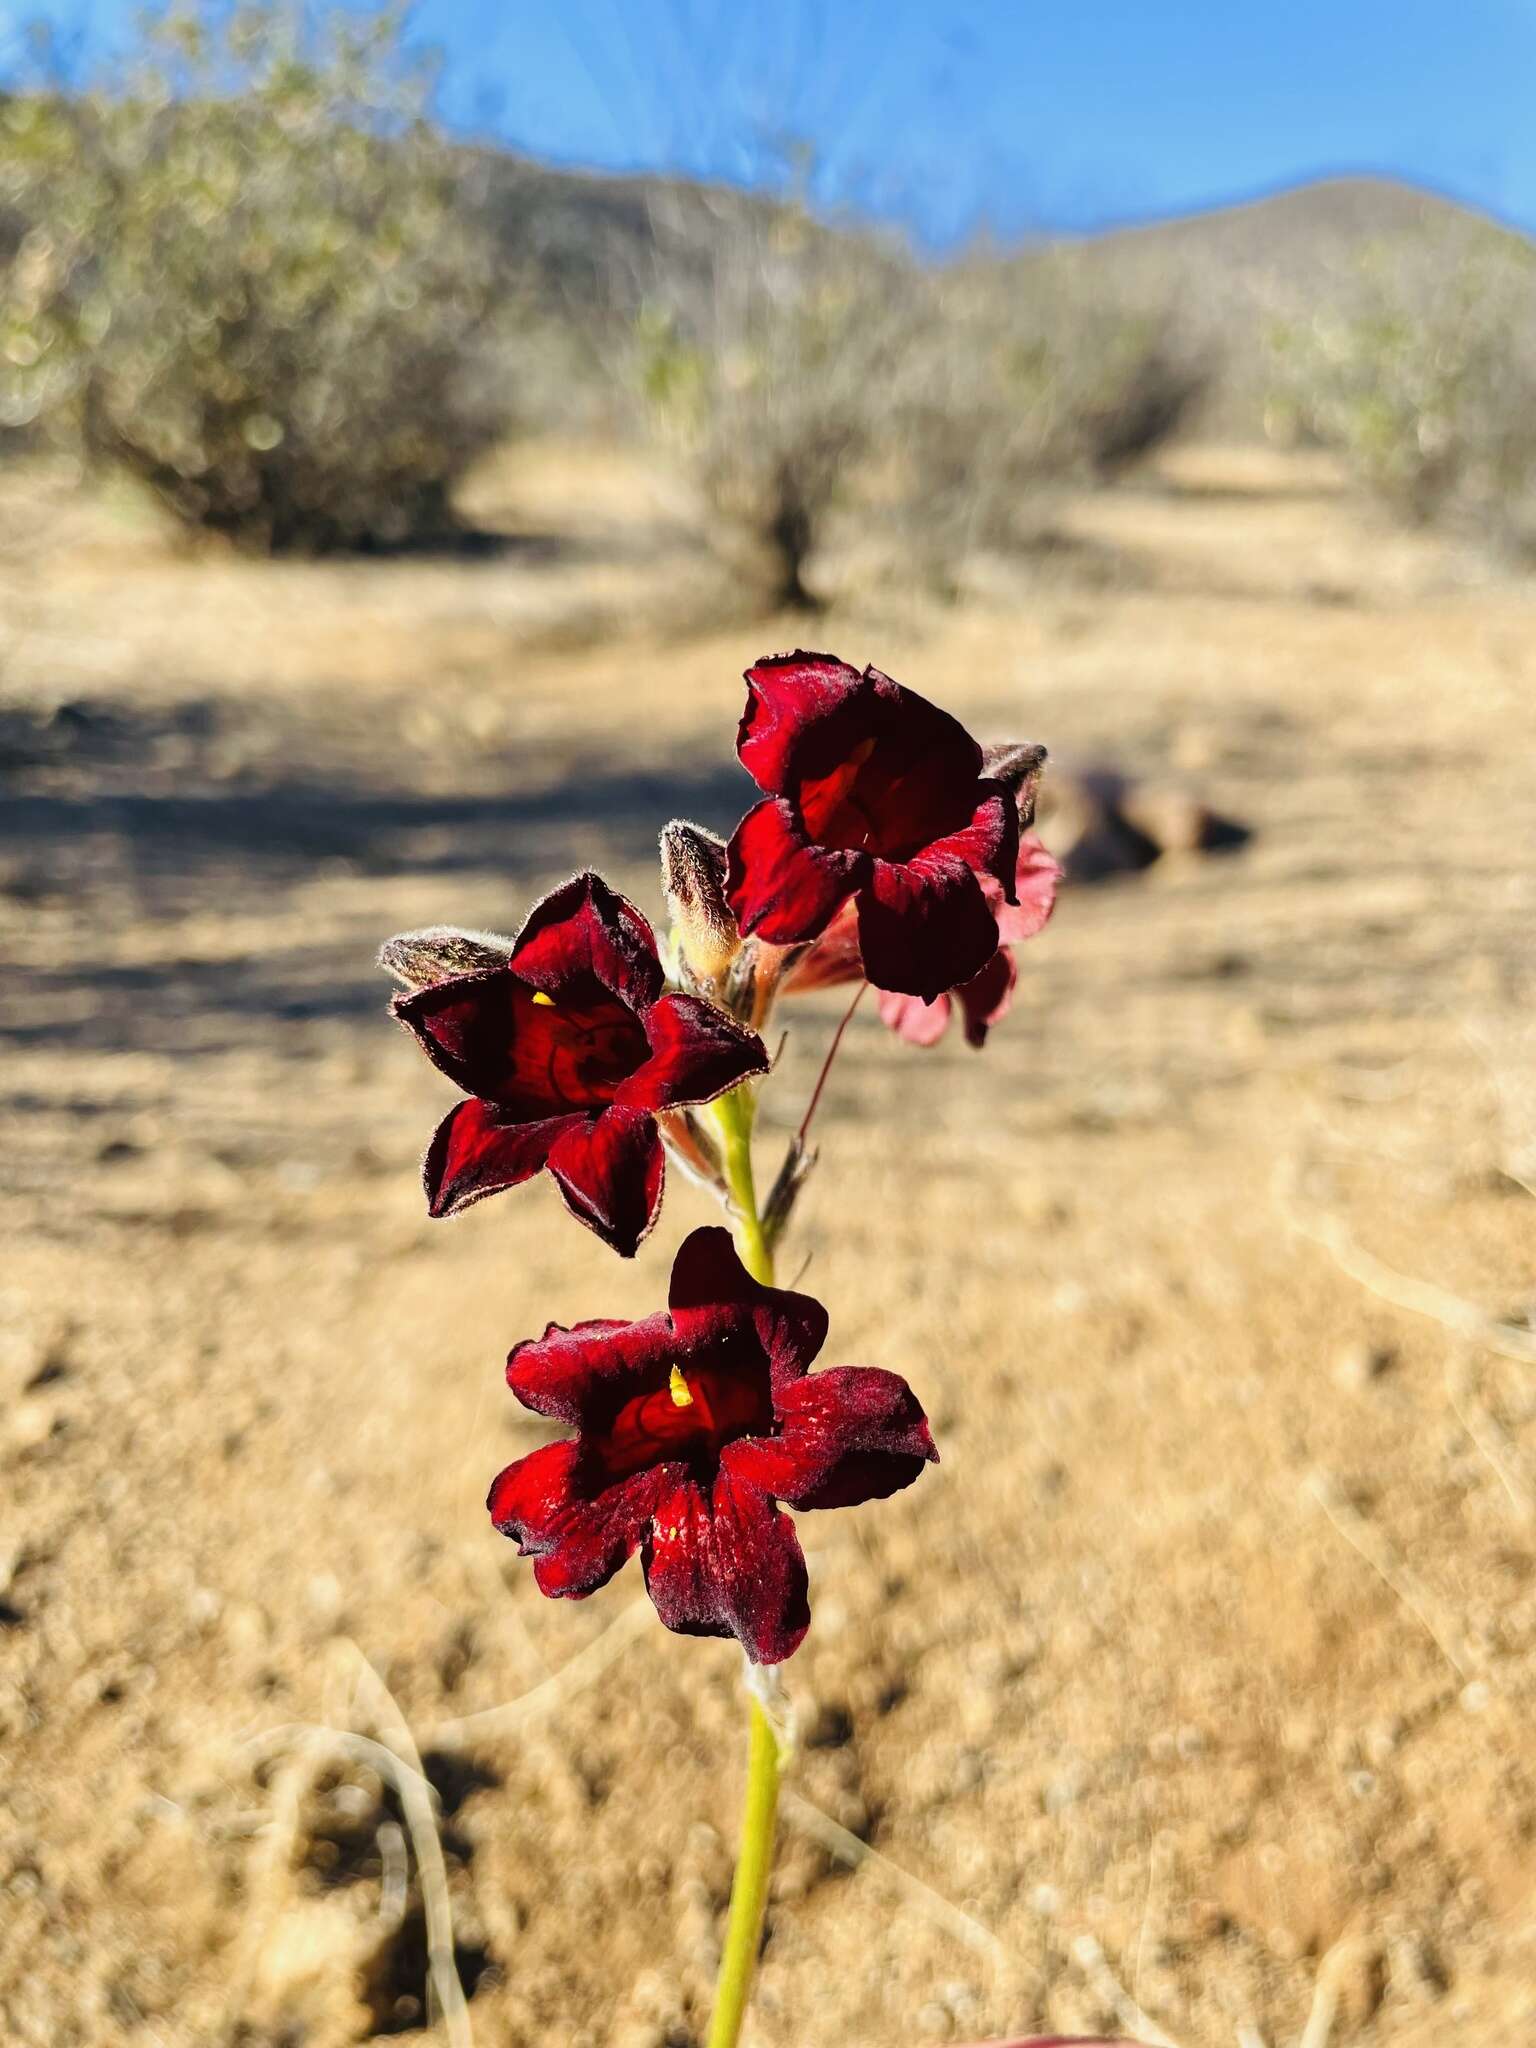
{"points": [[734, 1115], [749, 1888]]}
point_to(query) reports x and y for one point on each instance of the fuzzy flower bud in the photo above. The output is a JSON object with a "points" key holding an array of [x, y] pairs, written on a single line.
{"points": [[1018, 765], [693, 866], [422, 959]]}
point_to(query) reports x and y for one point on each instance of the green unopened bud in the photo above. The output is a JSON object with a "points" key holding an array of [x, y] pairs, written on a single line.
{"points": [[693, 870]]}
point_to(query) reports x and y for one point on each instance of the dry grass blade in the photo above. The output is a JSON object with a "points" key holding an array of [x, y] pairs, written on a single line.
{"points": [[1094, 1964], [1418, 1297], [1490, 1441], [315, 1745], [1370, 1544], [847, 1848], [580, 1670], [419, 1805], [1325, 1995]]}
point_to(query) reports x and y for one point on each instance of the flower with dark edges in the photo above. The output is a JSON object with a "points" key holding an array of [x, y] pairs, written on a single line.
{"points": [[985, 998], [690, 1426], [567, 1050], [875, 795]]}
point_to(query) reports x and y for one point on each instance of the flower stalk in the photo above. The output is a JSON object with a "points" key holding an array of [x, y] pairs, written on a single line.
{"points": [[735, 1115], [766, 1757], [888, 852]]}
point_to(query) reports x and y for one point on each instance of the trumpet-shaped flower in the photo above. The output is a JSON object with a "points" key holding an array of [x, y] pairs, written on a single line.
{"points": [[873, 795], [691, 1425], [567, 1049]]}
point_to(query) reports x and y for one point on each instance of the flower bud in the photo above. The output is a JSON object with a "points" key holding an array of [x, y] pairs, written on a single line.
{"points": [[441, 953], [693, 868], [1018, 766]]}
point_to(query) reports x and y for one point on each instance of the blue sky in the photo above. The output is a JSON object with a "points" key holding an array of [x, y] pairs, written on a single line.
{"points": [[1039, 114]]}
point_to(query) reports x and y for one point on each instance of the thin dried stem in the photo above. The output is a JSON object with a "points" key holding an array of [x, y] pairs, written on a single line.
{"points": [[847, 1848], [576, 1672], [419, 1806], [317, 1745], [1325, 1995], [1094, 1964], [1489, 1440], [1370, 1544], [1402, 1290], [826, 1066]]}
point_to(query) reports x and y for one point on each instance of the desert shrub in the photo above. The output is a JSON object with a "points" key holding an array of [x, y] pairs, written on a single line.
{"points": [[244, 274], [767, 367], [805, 374], [1422, 374], [1031, 375]]}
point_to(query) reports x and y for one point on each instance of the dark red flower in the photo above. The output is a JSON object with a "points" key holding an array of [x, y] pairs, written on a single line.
{"points": [[985, 997], [873, 794], [690, 1425], [567, 1051]]}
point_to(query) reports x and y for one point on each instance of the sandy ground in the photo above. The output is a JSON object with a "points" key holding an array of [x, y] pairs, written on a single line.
{"points": [[1197, 1677]]}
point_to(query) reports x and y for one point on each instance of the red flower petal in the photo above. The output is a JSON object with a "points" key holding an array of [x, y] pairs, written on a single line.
{"points": [[817, 731], [850, 1434], [583, 1375], [780, 883], [987, 997], [610, 1172], [728, 1563], [709, 1282], [795, 706], [580, 1537], [919, 1023], [586, 926], [698, 1051], [475, 1153], [496, 1037], [925, 927], [1036, 880], [990, 842]]}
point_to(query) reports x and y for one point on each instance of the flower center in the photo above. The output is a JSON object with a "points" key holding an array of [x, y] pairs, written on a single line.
{"points": [[571, 1050], [689, 1416]]}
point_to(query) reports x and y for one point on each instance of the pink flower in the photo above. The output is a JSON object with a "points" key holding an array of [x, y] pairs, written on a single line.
{"points": [[985, 997]]}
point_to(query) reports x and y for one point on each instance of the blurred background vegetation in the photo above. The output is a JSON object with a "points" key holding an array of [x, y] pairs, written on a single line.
{"points": [[247, 269]]}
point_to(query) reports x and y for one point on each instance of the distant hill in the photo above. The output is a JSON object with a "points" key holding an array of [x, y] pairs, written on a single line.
{"points": [[1230, 271], [1233, 270]]}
